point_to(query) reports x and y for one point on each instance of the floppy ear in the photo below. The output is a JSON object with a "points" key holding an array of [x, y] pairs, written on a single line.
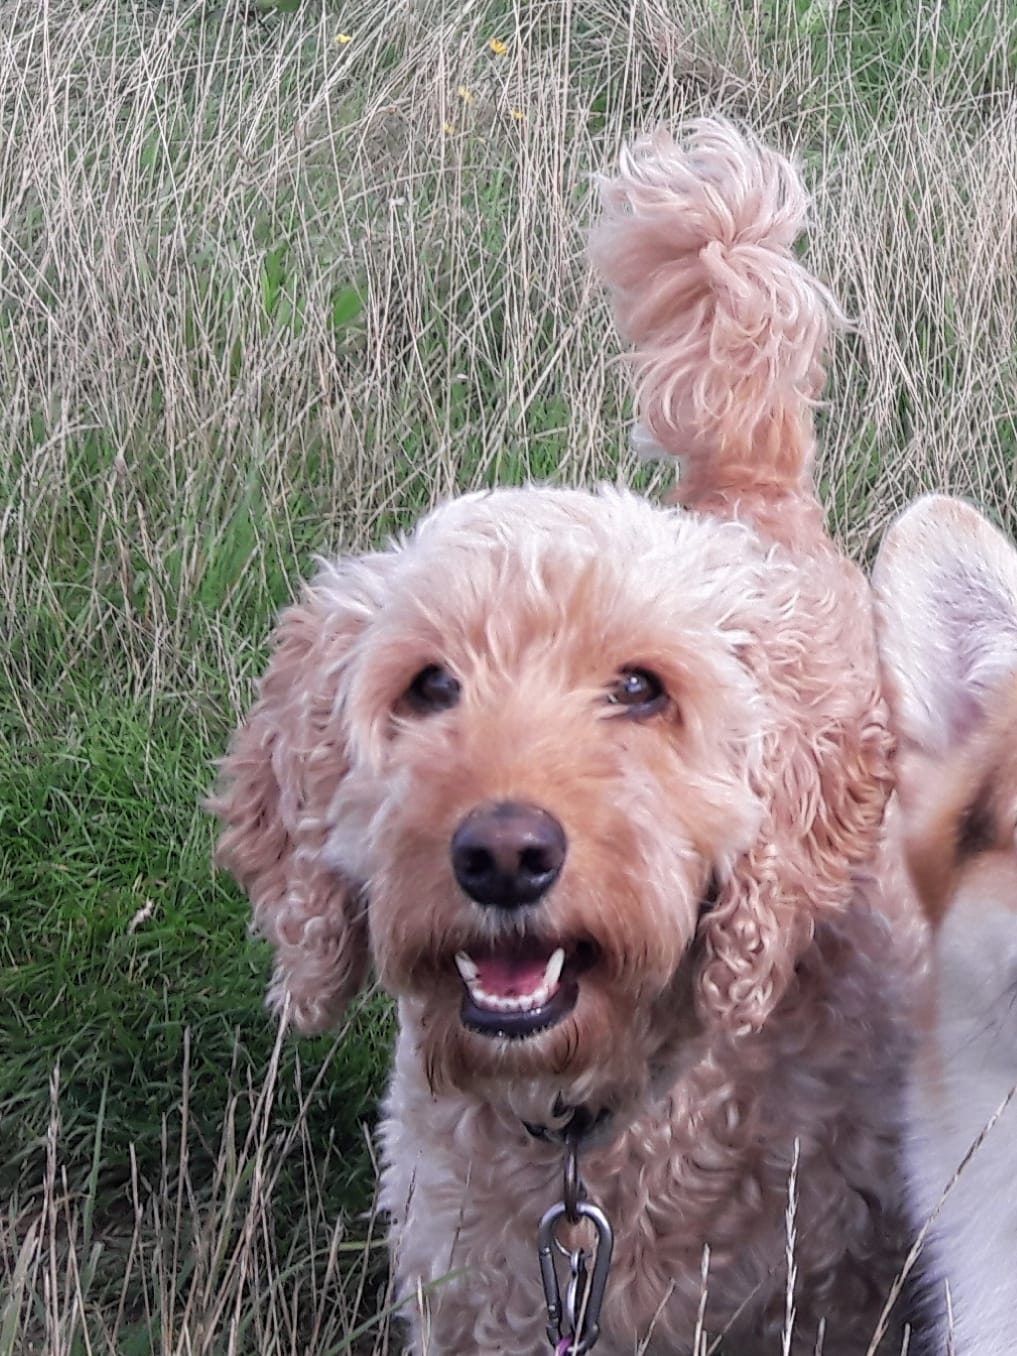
{"points": [[752, 937], [824, 819], [282, 769], [946, 593]]}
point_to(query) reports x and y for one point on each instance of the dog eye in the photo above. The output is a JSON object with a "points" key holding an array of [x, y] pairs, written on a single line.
{"points": [[433, 689], [639, 691]]}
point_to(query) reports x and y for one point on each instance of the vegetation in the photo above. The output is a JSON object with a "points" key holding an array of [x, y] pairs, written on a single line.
{"points": [[273, 279]]}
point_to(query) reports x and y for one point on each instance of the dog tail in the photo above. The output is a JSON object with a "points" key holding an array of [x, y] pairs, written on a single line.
{"points": [[695, 243]]}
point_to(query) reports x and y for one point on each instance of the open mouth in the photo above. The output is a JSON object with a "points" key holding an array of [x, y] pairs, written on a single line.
{"points": [[520, 987]]}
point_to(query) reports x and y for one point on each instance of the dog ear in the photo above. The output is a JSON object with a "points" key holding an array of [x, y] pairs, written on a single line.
{"points": [[276, 781], [823, 824], [749, 946], [946, 594]]}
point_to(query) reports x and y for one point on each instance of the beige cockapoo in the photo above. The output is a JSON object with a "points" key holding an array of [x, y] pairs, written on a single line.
{"points": [[599, 789]]}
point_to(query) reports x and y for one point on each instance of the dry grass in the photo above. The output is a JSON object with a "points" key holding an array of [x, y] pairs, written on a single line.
{"points": [[264, 293], [192, 207], [193, 1261]]}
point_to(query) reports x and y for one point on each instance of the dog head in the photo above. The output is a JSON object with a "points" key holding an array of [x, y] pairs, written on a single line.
{"points": [[511, 759]]}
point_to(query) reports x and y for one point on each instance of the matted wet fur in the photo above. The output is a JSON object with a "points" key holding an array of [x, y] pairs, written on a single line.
{"points": [[681, 708]]}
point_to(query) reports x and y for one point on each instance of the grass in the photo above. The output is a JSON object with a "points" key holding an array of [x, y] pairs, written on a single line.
{"points": [[265, 294]]}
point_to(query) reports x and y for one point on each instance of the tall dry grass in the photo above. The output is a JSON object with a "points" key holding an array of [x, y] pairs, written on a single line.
{"points": [[193, 207]]}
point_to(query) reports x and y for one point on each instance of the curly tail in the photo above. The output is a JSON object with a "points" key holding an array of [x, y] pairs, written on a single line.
{"points": [[695, 244]]}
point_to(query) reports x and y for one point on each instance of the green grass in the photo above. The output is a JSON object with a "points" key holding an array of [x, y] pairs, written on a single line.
{"points": [[262, 295], [121, 948]]}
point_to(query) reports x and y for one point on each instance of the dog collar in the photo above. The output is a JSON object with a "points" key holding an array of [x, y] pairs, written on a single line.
{"points": [[581, 1123]]}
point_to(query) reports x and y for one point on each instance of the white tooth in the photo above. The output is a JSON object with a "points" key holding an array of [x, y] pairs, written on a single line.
{"points": [[552, 973], [496, 1002], [466, 967]]}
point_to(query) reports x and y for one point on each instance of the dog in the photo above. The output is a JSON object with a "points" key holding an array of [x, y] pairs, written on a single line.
{"points": [[598, 787], [946, 586]]}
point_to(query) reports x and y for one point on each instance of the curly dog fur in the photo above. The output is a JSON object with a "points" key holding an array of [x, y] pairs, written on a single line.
{"points": [[692, 694]]}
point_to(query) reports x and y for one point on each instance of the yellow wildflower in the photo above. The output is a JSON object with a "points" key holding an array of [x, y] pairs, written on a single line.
{"points": [[450, 129], [467, 95], [518, 114], [498, 47], [343, 38]]}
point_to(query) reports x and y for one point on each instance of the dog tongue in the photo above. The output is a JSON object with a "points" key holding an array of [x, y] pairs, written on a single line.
{"points": [[511, 974]]}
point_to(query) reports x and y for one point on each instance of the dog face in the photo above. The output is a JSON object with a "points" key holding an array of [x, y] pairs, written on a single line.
{"points": [[511, 758]]}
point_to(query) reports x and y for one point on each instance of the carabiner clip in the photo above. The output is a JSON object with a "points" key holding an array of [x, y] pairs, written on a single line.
{"points": [[577, 1321]]}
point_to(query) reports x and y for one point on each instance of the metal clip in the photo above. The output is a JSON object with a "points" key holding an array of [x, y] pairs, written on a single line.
{"points": [[573, 1327]]}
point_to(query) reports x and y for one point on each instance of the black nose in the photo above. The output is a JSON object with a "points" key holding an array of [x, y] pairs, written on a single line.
{"points": [[508, 854]]}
